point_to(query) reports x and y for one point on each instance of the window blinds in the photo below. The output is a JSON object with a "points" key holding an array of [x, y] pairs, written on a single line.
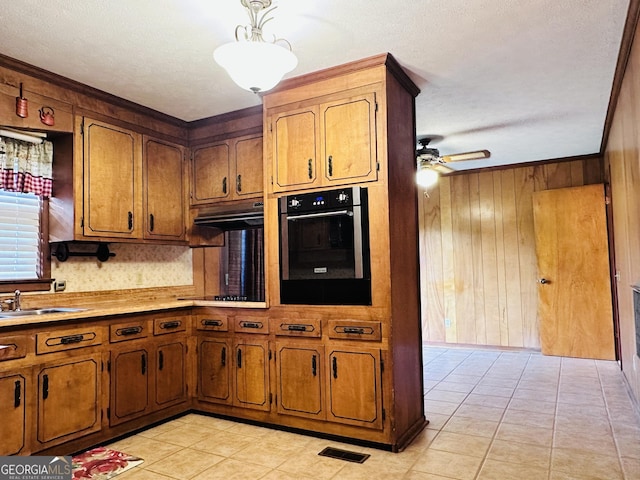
{"points": [[19, 235]]}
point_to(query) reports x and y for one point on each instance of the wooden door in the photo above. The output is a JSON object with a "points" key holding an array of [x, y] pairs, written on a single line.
{"points": [[249, 167], [68, 400], [164, 189], [171, 374], [12, 401], [574, 287], [214, 360], [354, 391], [349, 140], [210, 173], [129, 385], [295, 149], [251, 385], [112, 181], [299, 379]]}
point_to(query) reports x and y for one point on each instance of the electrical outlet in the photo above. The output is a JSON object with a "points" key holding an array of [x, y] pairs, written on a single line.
{"points": [[60, 285]]}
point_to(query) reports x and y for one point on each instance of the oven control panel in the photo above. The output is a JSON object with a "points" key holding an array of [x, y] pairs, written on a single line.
{"points": [[320, 201]]}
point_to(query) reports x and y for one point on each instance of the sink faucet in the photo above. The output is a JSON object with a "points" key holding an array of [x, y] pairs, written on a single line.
{"points": [[16, 301]]}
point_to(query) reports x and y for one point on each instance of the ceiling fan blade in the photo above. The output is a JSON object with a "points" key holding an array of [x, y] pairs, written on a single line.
{"points": [[442, 168], [457, 157]]}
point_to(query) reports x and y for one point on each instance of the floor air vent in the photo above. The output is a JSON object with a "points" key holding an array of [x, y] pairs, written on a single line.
{"points": [[344, 455]]}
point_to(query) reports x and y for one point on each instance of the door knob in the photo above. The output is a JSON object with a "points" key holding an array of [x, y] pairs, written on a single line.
{"points": [[543, 281]]}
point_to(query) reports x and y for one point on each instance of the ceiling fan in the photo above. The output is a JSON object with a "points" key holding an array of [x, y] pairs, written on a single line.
{"points": [[431, 164]]}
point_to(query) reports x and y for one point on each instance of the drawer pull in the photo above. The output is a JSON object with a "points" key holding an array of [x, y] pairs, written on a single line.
{"points": [[251, 324], [129, 331], [168, 325], [69, 339], [17, 394], [212, 323], [297, 328], [356, 330]]}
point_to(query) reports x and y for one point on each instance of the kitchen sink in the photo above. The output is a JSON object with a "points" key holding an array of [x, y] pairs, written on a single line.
{"points": [[38, 311]]}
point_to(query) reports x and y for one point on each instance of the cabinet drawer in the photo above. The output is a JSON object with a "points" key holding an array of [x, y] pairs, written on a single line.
{"points": [[215, 323], [49, 342], [131, 330], [355, 330], [252, 324], [302, 327], [12, 347], [162, 326]]}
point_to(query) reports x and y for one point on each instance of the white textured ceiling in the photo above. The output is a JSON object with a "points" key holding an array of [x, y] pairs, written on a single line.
{"points": [[528, 80]]}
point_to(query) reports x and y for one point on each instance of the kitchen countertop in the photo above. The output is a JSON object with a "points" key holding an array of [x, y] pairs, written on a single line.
{"points": [[106, 309]]}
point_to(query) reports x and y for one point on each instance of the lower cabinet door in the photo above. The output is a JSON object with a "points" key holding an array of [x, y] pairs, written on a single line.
{"points": [[171, 374], [129, 385], [12, 399], [299, 378], [214, 365], [251, 374], [69, 400], [354, 387]]}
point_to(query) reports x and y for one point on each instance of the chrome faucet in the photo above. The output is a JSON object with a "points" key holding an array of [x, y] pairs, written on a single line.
{"points": [[16, 301]]}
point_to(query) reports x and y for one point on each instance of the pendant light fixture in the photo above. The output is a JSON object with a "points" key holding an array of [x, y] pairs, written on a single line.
{"points": [[252, 62]]}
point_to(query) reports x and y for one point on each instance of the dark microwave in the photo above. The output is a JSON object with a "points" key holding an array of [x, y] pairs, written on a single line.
{"points": [[324, 248]]}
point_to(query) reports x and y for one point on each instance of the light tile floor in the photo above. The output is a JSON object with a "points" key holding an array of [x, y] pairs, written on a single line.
{"points": [[493, 415]]}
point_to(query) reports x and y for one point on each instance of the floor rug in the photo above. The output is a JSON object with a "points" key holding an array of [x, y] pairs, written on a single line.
{"points": [[102, 464]]}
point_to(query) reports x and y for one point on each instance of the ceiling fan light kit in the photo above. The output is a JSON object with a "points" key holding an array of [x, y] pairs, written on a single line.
{"points": [[252, 62], [430, 164]]}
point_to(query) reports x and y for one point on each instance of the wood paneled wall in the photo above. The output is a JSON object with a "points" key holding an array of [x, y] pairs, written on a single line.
{"points": [[477, 253], [622, 164]]}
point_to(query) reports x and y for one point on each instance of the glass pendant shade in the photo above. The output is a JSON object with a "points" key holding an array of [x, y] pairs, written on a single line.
{"points": [[427, 177], [254, 65]]}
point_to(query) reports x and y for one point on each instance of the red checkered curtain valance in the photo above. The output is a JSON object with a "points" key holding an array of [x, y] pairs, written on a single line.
{"points": [[26, 167]]}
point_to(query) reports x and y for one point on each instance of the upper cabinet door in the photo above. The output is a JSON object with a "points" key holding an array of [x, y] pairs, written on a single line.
{"points": [[249, 166], [164, 190], [295, 149], [112, 178], [211, 174], [348, 133]]}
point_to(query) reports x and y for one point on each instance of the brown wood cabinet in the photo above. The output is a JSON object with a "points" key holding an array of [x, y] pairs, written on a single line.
{"points": [[130, 383], [251, 373], [354, 387], [69, 399], [13, 392], [227, 170], [164, 190], [171, 373], [114, 184], [214, 367], [300, 379], [328, 141]]}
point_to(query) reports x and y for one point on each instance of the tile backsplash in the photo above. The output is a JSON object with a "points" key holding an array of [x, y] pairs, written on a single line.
{"points": [[133, 266]]}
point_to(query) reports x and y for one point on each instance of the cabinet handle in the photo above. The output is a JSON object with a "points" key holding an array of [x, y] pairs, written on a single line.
{"points": [[297, 328], [330, 160], [212, 323], [151, 221], [160, 360], [335, 367], [45, 386], [130, 221], [310, 169], [239, 183], [314, 366], [223, 359], [251, 324], [239, 358], [17, 394], [167, 325], [129, 331], [356, 330], [143, 364], [224, 185], [69, 339]]}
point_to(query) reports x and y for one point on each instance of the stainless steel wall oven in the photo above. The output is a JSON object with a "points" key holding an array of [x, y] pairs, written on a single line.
{"points": [[324, 248]]}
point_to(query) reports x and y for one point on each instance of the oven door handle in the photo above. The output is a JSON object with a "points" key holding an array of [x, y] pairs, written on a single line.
{"points": [[336, 213]]}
